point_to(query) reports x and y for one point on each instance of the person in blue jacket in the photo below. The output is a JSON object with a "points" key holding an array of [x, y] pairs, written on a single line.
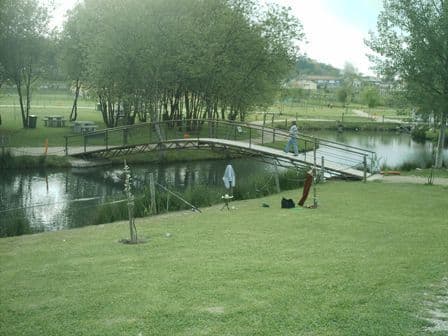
{"points": [[293, 134]]}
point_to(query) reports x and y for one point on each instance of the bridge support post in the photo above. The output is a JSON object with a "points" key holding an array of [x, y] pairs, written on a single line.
{"points": [[262, 135], [250, 137], [277, 181], [125, 136], [322, 169], [152, 192], [365, 167], [314, 175]]}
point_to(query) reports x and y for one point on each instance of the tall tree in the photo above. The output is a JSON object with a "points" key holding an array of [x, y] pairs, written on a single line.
{"points": [[370, 95], [167, 58], [411, 46], [72, 57], [23, 28]]}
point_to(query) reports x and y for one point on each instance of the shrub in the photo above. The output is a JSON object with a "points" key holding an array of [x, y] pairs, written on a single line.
{"points": [[419, 133]]}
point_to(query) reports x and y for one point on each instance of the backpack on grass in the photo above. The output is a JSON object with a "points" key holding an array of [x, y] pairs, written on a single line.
{"points": [[287, 203]]}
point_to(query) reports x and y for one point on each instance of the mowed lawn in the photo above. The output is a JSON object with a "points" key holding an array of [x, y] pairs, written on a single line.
{"points": [[363, 263], [44, 103]]}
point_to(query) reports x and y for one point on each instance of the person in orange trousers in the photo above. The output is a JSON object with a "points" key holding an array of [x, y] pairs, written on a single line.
{"points": [[306, 187]]}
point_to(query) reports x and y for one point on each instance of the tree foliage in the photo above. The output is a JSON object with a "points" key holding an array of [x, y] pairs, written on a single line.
{"points": [[370, 96], [411, 47], [23, 41], [172, 59]]}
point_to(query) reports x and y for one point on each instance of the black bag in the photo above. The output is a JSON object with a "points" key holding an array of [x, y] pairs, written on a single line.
{"points": [[287, 203]]}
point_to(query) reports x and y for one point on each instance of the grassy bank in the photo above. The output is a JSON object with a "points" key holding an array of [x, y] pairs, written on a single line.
{"points": [[59, 102], [359, 125], [8, 161], [361, 264]]}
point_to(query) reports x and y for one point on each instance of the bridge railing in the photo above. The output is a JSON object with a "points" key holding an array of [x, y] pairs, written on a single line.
{"points": [[331, 151], [158, 132]]}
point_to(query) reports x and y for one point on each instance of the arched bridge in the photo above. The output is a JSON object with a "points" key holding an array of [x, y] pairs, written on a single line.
{"points": [[250, 140]]}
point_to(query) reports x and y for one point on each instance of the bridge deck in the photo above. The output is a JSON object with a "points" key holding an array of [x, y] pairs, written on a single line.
{"points": [[255, 149], [301, 159]]}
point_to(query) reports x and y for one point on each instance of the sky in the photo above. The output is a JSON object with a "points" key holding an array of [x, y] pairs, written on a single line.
{"points": [[334, 29]]}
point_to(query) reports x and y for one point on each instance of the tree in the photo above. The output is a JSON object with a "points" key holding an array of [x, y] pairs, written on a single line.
{"points": [[411, 47], [72, 57], [2, 80], [350, 82], [23, 28], [168, 58], [370, 96]]}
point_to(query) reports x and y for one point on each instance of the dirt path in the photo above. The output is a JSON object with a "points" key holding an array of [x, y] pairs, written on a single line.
{"points": [[408, 179], [374, 117]]}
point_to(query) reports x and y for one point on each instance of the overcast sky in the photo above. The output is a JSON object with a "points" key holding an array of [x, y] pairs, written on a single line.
{"points": [[334, 29]]}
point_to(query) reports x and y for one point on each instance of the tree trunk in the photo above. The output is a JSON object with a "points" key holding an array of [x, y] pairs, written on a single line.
{"points": [[22, 109], [74, 113], [441, 141], [0, 113]]}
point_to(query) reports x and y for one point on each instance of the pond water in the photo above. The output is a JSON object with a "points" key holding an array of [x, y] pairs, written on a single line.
{"points": [[392, 149], [36, 201], [39, 201]]}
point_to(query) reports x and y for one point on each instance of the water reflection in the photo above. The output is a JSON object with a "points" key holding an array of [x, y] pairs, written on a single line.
{"points": [[54, 200], [393, 149]]}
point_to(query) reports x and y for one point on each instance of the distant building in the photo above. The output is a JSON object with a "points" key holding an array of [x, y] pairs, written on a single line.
{"points": [[325, 81], [303, 84]]}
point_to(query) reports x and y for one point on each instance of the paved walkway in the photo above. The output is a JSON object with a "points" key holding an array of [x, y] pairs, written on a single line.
{"points": [[408, 179], [374, 117]]}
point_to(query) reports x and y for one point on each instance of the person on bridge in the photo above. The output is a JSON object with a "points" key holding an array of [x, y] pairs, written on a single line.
{"points": [[293, 134]]}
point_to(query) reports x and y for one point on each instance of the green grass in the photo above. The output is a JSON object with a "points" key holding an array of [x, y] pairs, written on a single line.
{"points": [[8, 161], [59, 102], [360, 264], [316, 111], [44, 103]]}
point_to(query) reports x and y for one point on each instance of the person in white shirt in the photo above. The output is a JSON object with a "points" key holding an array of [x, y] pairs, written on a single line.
{"points": [[293, 134]]}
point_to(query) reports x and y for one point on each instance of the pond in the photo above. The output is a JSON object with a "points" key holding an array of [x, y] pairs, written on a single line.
{"points": [[393, 149], [36, 201]]}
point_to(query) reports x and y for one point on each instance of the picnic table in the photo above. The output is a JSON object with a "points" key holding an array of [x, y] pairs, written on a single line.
{"points": [[84, 126], [54, 121]]}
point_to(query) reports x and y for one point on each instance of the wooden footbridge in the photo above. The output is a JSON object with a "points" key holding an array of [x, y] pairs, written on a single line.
{"points": [[248, 140]]}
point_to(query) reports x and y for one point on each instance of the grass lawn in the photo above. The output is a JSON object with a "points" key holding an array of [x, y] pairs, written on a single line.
{"points": [[53, 102], [363, 263], [325, 112], [43, 104]]}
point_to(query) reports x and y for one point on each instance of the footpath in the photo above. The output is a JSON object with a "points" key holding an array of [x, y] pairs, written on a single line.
{"points": [[408, 179]]}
